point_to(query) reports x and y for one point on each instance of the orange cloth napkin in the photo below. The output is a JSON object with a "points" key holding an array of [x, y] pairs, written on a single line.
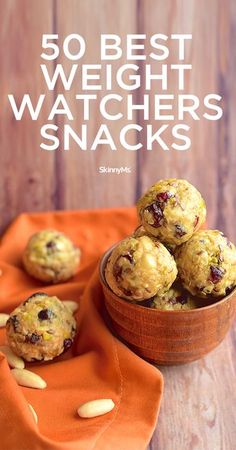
{"points": [[99, 366]]}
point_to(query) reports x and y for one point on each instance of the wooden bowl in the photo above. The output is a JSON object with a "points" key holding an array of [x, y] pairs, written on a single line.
{"points": [[168, 337]]}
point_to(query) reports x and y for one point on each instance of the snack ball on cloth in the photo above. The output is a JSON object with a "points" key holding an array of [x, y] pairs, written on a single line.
{"points": [[41, 328], [139, 268], [172, 210], [207, 264], [50, 256], [176, 299]]}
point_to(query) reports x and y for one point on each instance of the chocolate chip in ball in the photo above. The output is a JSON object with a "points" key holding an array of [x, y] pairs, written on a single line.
{"points": [[229, 289], [67, 343], [32, 338], [157, 214], [179, 231], [117, 271], [127, 292], [182, 299], [51, 245], [129, 257], [156, 208], [14, 321], [164, 196], [196, 221], [216, 274], [46, 314]]}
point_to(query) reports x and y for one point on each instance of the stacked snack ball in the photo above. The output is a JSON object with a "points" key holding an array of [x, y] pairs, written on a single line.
{"points": [[207, 264], [176, 299], [172, 210], [41, 328], [51, 257], [140, 231], [139, 268]]}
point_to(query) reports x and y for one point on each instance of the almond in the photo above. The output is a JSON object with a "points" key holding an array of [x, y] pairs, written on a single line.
{"points": [[33, 412], [3, 319], [29, 379], [73, 306], [12, 359], [96, 408]]}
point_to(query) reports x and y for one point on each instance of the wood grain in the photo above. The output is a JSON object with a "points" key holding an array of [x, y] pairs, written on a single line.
{"points": [[226, 155], [81, 185], [199, 164], [27, 175], [197, 410]]}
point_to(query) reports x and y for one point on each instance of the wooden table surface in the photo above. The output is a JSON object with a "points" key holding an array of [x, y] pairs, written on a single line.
{"points": [[198, 410]]}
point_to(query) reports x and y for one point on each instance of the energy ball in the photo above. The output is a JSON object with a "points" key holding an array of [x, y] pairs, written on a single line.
{"points": [[139, 268], [172, 210], [51, 257], [207, 264], [41, 328], [176, 299], [140, 231]]}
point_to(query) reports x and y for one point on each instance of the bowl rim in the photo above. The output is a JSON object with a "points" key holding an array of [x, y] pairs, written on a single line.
{"points": [[102, 262]]}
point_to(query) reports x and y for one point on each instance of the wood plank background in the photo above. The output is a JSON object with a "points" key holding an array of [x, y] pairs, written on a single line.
{"points": [[198, 410]]}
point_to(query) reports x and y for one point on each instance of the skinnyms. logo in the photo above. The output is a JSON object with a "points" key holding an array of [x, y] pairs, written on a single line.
{"points": [[116, 170]]}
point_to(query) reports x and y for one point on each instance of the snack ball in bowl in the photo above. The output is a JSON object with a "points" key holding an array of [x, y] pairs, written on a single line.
{"points": [[41, 328], [140, 231], [207, 264], [172, 210], [176, 299], [50, 256], [139, 268]]}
